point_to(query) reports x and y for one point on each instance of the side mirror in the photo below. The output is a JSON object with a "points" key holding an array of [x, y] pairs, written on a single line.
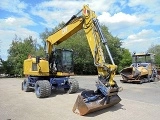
{"points": [[37, 59]]}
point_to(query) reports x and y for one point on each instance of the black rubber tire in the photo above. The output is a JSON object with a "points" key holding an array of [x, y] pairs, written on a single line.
{"points": [[122, 81], [140, 82], [22, 86], [153, 79], [74, 86], [47, 88], [149, 78], [66, 90], [42, 89], [25, 86]]}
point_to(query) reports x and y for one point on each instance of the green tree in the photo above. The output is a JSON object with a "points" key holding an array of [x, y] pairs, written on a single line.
{"points": [[156, 50], [19, 51], [83, 59], [1, 66], [7, 67], [114, 44], [126, 59]]}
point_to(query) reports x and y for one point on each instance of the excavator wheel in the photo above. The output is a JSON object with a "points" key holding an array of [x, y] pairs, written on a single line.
{"points": [[42, 89], [25, 86], [152, 78], [74, 86]]}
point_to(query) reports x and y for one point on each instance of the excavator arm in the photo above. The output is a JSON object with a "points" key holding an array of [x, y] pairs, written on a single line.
{"points": [[72, 26], [89, 23], [107, 89]]}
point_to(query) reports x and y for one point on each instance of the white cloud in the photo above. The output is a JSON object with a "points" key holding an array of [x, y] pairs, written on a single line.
{"points": [[14, 22], [143, 34], [146, 9], [10, 20], [8, 35], [100, 6], [12, 26], [57, 11], [15, 6], [146, 3], [121, 24], [141, 41], [117, 18]]}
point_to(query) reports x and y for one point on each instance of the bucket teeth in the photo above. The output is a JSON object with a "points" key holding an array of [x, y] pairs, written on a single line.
{"points": [[82, 107]]}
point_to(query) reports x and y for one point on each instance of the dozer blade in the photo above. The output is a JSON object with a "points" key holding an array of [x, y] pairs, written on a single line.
{"points": [[82, 107]]}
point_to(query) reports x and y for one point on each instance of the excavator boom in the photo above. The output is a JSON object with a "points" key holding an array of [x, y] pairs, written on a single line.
{"points": [[107, 89], [89, 23]]}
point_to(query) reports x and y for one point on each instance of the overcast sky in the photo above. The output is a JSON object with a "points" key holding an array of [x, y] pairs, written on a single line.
{"points": [[135, 22]]}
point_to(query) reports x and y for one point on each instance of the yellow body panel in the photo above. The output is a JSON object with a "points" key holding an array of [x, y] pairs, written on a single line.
{"points": [[40, 69], [142, 70], [64, 74]]}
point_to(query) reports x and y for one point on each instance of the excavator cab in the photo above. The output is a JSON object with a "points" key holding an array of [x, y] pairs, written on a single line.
{"points": [[61, 60]]}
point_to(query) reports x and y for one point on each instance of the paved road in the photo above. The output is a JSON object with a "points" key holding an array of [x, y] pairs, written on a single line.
{"points": [[141, 102]]}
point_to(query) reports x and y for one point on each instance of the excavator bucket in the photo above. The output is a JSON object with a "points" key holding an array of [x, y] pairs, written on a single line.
{"points": [[89, 101]]}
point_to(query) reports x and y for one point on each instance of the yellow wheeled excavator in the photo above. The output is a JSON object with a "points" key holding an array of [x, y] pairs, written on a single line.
{"points": [[55, 70]]}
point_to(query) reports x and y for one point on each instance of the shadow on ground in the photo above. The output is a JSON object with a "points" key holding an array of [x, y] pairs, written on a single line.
{"points": [[62, 92]]}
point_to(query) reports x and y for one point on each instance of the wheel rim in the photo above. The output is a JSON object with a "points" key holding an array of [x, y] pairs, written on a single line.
{"points": [[38, 90]]}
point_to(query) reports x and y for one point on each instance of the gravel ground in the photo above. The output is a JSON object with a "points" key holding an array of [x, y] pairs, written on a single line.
{"points": [[139, 101]]}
